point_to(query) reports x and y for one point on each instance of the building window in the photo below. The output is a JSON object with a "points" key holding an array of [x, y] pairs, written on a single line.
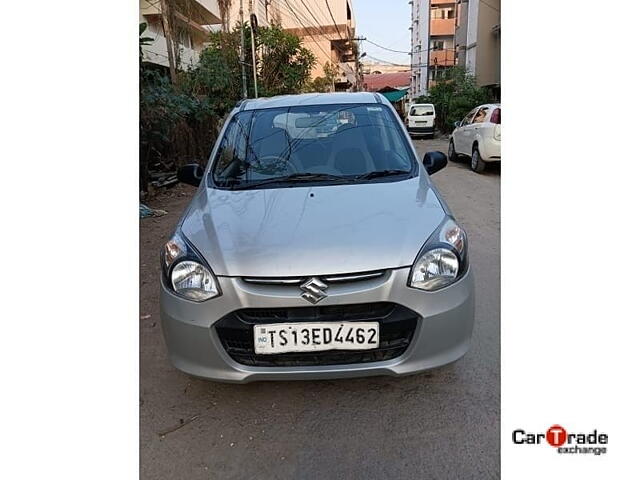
{"points": [[436, 73], [442, 13], [437, 45]]}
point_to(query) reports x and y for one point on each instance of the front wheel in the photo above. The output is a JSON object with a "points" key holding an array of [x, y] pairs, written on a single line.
{"points": [[477, 164], [453, 156]]}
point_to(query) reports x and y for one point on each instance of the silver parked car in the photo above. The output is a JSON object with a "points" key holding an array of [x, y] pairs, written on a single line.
{"points": [[316, 246]]}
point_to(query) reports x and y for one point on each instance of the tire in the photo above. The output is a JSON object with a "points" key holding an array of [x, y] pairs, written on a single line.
{"points": [[453, 156], [477, 164]]}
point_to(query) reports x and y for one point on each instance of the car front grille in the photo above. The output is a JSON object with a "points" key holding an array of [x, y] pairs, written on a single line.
{"points": [[397, 326], [339, 278]]}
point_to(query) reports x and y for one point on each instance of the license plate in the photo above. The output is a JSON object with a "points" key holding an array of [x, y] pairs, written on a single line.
{"points": [[315, 337]]}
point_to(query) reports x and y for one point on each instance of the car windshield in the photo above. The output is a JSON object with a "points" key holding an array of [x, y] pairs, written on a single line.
{"points": [[421, 110], [320, 143]]}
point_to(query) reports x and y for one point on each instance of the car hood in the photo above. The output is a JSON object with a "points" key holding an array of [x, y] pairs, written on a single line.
{"points": [[313, 230]]}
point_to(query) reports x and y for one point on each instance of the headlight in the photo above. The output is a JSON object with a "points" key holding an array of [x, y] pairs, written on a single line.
{"points": [[442, 260], [186, 273]]}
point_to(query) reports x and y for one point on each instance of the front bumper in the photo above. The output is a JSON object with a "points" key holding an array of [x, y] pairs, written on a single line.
{"points": [[442, 335]]}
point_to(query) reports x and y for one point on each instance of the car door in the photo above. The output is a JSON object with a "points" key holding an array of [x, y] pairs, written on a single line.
{"points": [[479, 125], [462, 135]]}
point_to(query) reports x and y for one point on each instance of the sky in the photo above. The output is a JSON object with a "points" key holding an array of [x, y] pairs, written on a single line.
{"points": [[385, 22]]}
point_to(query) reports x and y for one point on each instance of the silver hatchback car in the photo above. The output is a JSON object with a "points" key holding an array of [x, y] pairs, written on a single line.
{"points": [[315, 247]]}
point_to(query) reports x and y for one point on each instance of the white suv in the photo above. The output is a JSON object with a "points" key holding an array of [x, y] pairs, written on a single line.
{"points": [[421, 119], [478, 137]]}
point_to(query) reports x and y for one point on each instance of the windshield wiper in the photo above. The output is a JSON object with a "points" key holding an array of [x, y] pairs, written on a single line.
{"points": [[381, 173], [296, 177], [313, 176]]}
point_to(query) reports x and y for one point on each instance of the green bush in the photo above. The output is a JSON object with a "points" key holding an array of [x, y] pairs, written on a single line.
{"points": [[175, 127], [283, 66], [322, 84]]}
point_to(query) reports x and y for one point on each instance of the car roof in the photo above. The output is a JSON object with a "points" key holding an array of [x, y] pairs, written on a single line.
{"points": [[421, 104], [307, 99]]}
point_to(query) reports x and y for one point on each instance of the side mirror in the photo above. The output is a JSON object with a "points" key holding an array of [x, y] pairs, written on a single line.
{"points": [[434, 162], [191, 174], [457, 124]]}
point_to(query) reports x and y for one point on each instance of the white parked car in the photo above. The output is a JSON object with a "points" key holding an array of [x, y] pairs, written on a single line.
{"points": [[477, 136], [421, 119]]}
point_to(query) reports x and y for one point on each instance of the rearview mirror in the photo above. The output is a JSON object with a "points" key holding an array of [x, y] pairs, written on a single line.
{"points": [[307, 122], [434, 162], [456, 124], [191, 174]]}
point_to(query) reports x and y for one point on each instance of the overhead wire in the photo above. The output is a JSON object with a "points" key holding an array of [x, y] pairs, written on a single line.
{"points": [[309, 34], [308, 21], [333, 19]]}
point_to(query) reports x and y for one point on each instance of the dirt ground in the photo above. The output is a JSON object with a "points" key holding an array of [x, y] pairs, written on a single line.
{"points": [[441, 425]]}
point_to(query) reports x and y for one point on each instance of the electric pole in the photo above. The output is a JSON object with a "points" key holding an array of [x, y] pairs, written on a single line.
{"points": [[429, 63], [358, 57], [244, 72], [254, 27], [166, 13]]}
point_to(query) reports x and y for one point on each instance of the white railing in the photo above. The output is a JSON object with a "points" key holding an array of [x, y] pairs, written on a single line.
{"points": [[156, 52]]}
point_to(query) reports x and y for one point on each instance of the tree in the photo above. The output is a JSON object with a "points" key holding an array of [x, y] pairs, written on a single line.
{"points": [[224, 6], [284, 68], [217, 75], [325, 83], [454, 96]]}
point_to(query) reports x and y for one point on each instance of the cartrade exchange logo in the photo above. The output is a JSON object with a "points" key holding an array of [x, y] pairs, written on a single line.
{"points": [[557, 437]]}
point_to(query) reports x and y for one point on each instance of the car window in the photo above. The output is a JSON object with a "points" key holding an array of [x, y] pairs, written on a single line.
{"points": [[421, 110], [495, 116], [233, 145], [466, 120], [481, 116], [342, 141]]}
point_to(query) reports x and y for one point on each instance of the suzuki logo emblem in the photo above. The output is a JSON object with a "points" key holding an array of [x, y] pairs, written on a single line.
{"points": [[313, 290]]}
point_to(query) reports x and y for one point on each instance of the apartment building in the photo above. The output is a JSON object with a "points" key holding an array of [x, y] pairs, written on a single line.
{"points": [[326, 28], [419, 47], [192, 25], [266, 11], [478, 41], [442, 46]]}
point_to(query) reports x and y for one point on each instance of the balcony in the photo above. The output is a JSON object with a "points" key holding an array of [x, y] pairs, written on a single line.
{"points": [[442, 58], [199, 12], [156, 52], [195, 15], [211, 7], [442, 26]]}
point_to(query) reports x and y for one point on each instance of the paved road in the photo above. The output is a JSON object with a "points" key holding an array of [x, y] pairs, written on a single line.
{"points": [[441, 425]]}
